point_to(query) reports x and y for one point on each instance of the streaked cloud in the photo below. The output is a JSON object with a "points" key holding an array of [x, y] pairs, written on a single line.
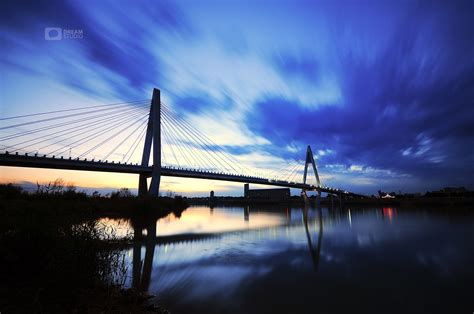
{"points": [[381, 91]]}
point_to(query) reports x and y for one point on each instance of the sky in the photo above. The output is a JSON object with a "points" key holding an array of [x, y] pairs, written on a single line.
{"points": [[382, 91]]}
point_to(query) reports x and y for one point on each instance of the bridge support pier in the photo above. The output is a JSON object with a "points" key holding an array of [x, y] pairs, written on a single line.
{"points": [[305, 198], [142, 185]]}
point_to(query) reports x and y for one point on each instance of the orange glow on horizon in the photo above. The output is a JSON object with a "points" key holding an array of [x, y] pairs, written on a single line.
{"points": [[85, 179], [106, 180]]}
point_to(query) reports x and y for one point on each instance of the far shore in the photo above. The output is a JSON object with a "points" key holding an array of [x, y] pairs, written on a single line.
{"points": [[416, 202]]}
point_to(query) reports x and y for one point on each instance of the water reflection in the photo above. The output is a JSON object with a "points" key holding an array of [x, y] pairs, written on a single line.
{"points": [[142, 268], [389, 213], [314, 251], [261, 256]]}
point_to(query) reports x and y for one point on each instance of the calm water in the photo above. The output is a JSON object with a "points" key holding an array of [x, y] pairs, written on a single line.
{"points": [[238, 260]]}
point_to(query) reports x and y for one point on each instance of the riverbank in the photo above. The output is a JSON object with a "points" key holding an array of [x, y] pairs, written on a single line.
{"points": [[57, 258], [92, 208]]}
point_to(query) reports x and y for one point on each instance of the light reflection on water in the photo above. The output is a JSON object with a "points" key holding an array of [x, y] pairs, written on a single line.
{"points": [[206, 220], [289, 261], [198, 220]]}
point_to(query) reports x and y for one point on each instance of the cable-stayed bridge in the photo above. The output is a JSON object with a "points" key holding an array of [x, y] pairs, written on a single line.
{"points": [[147, 138]]}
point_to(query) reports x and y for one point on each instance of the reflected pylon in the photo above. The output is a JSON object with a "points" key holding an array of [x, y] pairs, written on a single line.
{"points": [[315, 252], [142, 269]]}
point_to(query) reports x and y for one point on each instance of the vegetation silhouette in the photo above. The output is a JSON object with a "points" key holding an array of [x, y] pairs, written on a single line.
{"points": [[57, 257]]}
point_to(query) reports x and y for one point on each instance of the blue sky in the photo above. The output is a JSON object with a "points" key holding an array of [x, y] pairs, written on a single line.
{"points": [[383, 91]]}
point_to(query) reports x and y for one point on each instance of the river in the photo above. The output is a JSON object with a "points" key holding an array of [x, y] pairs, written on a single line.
{"points": [[292, 260]]}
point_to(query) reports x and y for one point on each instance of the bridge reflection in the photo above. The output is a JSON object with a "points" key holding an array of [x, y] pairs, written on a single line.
{"points": [[142, 270], [315, 251], [145, 237]]}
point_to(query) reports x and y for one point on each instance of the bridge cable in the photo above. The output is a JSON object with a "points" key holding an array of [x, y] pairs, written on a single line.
{"points": [[294, 174], [44, 128], [56, 118], [281, 172], [277, 173], [111, 137], [191, 149], [167, 140], [74, 129], [72, 109], [196, 134], [165, 116], [176, 142], [170, 125], [97, 133], [135, 144], [126, 138], [212, 157], [292, 170], [113, 118]]}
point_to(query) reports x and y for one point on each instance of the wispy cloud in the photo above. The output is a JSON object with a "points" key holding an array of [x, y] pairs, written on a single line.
{"points": [[380, 91]]}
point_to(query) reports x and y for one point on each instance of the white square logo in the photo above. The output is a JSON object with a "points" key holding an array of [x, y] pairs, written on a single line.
{"points": [[53, 33]]}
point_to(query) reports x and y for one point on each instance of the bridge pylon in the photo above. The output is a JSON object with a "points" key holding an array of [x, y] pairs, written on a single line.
{"points": [[152, 140], [310, 160]]}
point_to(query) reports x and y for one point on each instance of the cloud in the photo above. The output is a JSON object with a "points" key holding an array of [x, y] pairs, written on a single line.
{"points": [[384, 89], [117, 55], [407, 108], [304, 68], [357, 168]]}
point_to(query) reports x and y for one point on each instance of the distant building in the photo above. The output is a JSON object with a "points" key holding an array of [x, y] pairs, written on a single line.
{"points": [[267, 194], [386, 195]]}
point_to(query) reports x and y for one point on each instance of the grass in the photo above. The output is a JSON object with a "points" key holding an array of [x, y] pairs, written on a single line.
{"points": [[57, 258]]}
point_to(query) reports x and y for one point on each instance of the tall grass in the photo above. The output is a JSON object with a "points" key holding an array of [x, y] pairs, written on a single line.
{"points": [[55, 255], [52, 264]]}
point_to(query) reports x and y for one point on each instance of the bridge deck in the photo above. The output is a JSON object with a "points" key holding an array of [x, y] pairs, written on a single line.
{"points": [[36, 161]]}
